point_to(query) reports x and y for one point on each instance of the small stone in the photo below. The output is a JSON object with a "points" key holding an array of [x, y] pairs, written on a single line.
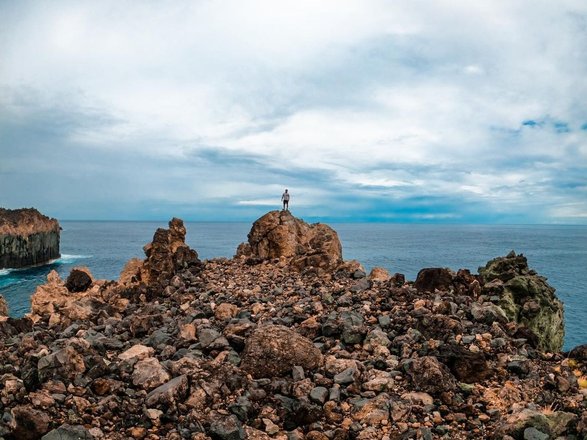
{"points": [[319, 395], [270, 427], [297, 373], [345, 377]]}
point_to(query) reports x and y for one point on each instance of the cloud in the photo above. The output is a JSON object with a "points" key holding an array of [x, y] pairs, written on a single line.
{"points": [[363, 109]]}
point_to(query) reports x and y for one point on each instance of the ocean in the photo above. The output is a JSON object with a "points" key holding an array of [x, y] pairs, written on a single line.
{"points": [[556, 252]]}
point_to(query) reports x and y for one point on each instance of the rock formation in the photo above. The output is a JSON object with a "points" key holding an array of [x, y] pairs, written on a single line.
{"points": [[228, 349], [526, 298], [27, 238], [278, 234]]}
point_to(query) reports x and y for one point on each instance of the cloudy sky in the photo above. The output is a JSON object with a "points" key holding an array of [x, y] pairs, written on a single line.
{"points": [[367, 110]]}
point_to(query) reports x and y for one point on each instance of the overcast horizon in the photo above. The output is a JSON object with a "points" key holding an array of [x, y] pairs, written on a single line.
{"points": [[408, 111]]}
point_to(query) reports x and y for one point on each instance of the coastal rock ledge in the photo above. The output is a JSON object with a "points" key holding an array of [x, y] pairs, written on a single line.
{"points": [[289, 342], [27, 238]]}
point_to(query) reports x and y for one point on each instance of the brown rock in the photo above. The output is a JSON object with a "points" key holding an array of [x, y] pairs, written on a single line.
{"points": [[225, 311], [29, 423], [167, 254], [279, 234], [136, 351], [274, 350], [431, 376], [149, 373], [379, 274], [3, 307], [434, 278], [169, 393]]}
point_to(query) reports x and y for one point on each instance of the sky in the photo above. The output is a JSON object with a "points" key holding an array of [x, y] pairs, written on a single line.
{"points": [[368, 110]]}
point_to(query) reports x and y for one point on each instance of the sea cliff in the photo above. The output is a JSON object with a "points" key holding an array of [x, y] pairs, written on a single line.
{"points": [[27, 238], [288, 341]]}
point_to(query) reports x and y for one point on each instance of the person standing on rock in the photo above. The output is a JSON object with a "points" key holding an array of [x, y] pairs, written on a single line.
{"points": [[285, 200]]}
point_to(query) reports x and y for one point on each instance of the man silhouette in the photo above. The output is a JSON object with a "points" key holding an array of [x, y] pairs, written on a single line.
{"points": [[285, 199]]}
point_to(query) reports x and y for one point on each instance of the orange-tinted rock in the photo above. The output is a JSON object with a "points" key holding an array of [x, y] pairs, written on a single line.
{"points": [[27, 238], [279, 234], [167, 254]]}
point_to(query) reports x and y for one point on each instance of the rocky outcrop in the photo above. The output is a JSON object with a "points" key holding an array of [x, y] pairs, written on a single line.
{"points": [[3, 307], [232, 350], [526, 298], [27, 238], [165, 255], [278, 234]]}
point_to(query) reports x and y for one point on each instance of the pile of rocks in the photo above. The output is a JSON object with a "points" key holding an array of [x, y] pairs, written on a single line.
{"points": [[256, 347]]}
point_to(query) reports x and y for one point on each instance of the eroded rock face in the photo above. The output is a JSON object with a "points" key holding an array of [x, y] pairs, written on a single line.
{"points": [[167, 254], [526, 298], [273, 350], [27, 238], [279, 234], [3, 307]]}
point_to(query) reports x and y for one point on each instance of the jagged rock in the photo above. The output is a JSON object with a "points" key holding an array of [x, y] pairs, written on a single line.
{"points": [[137, 351], [227, 428], [521, 285], [167, 254], [488, 313], [579, 352], [279, 234], [273, 350], [169, 393], [430, 279], [431, 376], [149, 373], [78, 280], [27, 238]]}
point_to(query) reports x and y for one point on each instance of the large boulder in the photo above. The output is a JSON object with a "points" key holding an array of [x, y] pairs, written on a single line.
{"points": [[279, 234], [526, 298], [273, 350]]}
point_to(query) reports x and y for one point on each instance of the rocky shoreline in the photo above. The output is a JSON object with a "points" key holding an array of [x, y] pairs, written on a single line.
{"points": [[27, 238], [288, 341]]}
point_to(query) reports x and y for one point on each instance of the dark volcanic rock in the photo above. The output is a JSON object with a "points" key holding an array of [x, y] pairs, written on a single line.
{"points": [[430, 375], [78, 281], [273, 350], [27, 238], [434, 278], [29, 423]]}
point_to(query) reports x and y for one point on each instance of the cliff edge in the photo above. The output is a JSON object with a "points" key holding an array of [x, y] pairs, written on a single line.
{"points": [[27, 238]]}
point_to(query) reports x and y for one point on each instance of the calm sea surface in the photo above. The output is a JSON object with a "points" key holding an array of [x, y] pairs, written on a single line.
{"points": [[557, 252]]}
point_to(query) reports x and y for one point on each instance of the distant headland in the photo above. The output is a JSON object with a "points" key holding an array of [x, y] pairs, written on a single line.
{"points": [[27, 238]]}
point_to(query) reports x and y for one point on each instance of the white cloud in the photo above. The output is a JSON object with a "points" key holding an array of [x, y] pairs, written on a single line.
{"points": [[406, 98]]}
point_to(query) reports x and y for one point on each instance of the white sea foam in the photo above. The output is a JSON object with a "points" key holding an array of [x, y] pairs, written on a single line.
{"points": [[69, 258], [4, 272]]}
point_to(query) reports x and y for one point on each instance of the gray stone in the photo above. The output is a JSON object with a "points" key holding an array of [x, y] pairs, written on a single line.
{"points": [[297, 373], [334, 393], [319, 395], [227, 428], [68, 432], [345, 377], [534, 434]]}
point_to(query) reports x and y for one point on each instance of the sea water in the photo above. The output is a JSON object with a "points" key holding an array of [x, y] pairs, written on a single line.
{"points": [[556, 252]]}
